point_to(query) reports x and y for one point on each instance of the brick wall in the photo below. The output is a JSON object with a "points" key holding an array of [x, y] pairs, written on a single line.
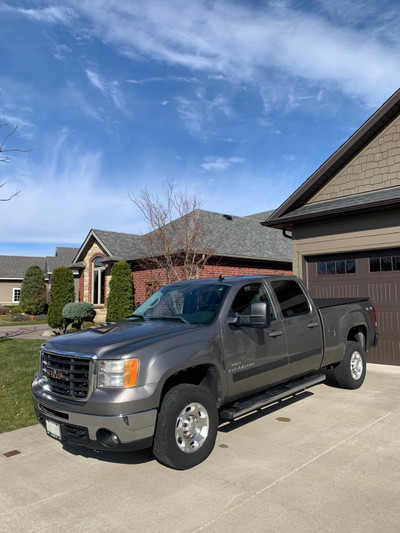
{"points": [[142, 279]]}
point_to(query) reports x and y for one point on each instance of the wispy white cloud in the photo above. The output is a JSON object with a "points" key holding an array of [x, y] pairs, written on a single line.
{"points": [[219, 164], [109, 89], [200, 111]]}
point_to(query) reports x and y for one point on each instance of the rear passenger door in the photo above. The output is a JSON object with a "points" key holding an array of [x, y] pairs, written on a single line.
{"points": [[302, 326]]}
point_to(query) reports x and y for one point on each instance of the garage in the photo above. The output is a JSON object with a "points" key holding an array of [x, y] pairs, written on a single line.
{"points": [[375, 273], [344, 222]]}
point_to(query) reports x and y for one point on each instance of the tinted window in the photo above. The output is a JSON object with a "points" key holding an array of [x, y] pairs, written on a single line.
{"points": [[291, 298], [254, 292]]}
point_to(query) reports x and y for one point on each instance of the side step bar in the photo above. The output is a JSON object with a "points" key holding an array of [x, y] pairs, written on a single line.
{"points": [[257, 401]]}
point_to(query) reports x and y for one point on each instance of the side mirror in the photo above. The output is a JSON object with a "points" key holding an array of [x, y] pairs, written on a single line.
{"points": [[260, 315]]}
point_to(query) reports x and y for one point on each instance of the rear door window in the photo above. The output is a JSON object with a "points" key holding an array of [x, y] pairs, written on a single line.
{"points": [[291, 298]]}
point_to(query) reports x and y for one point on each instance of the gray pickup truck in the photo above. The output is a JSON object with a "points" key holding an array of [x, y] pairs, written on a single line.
{"points": [[194, 353]]}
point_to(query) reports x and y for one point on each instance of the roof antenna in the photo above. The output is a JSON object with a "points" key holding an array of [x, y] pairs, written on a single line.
{"points": [[221, 278]]}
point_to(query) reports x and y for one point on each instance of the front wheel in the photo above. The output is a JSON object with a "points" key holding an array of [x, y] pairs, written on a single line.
{"points": [[350, 372], [187, 427]]}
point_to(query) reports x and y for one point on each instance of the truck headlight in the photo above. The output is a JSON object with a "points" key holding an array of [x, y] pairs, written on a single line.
{"points": [[118, 373]]}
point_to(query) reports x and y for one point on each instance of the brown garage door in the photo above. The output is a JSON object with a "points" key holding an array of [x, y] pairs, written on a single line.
{"points": [[375, 274]]}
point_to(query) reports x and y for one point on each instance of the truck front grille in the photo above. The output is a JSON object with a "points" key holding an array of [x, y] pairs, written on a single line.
{"points": [[66, 375]]}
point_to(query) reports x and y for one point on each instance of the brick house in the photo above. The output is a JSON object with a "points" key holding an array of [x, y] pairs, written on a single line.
{"points": [[240, 246], [345, 224], [13, 268]]}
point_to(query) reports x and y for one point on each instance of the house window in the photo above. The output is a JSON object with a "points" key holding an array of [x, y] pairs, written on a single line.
{"points": [[333, 268], [384, 264], [16, 296], [98, 281]]}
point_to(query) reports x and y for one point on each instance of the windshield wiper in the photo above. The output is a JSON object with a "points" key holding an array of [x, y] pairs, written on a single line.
{"points": [[170, 318]]}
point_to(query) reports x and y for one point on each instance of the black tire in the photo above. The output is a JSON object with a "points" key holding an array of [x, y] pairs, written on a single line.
{"points": [[350, 372], [186, 428]]}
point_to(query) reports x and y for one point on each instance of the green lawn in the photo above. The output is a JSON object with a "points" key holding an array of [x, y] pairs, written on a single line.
{"points": [[18, 363]]}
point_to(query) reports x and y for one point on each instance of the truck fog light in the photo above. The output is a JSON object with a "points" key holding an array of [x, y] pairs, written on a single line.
{"points": [[107, 438]]}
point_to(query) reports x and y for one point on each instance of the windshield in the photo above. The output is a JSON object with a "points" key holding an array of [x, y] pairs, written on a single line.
{"points": [[188, 303]]}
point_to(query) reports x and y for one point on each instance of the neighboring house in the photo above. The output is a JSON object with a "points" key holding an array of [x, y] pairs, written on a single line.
{"points": [[345, 222], [240, 246], [13, 268]]}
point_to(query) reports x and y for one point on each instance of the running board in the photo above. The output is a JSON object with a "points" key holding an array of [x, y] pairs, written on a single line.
{"points": [[242, 407]]}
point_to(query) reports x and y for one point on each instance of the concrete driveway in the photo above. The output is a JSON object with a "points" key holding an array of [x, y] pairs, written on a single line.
{"points": [[327, 462]]}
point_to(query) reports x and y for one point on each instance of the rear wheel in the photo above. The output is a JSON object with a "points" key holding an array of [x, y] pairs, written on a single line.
{"points": [[186, 427], [350, 372]]}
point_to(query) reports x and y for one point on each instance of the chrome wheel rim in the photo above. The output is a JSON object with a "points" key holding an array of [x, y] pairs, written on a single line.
{"points": [[356, 365], [192, 426]]}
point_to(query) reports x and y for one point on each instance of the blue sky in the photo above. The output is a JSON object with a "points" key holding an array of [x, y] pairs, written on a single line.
{"points": [[238, 101]]}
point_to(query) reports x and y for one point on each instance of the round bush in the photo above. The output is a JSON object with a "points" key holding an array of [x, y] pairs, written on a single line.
{"points": [[16, 310], [78, 311]]}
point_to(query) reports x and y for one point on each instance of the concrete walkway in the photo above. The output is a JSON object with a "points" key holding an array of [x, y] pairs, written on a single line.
{"points": [[327, 462], [29, 331]]}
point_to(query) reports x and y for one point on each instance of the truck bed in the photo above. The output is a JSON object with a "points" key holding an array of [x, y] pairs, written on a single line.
{"points": [[322, 303]]}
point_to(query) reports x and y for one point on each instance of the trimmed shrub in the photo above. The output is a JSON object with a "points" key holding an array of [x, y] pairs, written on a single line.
{"points": [[78, 312], [4, 311], [20, 318], [33, 299], [120, 297], [62, 293], [40, 317], [16, 309]]}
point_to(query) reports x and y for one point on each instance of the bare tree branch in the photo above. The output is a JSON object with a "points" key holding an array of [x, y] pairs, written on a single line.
{"points": [[9, 198], [176, 243], [7, 159]]}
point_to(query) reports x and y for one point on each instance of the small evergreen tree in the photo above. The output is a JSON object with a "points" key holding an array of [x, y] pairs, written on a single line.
{"points": [[78, 312], [120, 297], [33, 299], [62, 293]]}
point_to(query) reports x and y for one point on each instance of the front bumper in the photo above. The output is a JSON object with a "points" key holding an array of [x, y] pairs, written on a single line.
{"points": [[133, 431]]}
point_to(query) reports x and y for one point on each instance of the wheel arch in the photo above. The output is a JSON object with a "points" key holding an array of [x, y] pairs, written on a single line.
{"points": [[358, 334], [204, 375]]}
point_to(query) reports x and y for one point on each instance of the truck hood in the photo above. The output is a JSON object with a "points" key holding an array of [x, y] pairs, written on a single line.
{"points": [[113, 341]]}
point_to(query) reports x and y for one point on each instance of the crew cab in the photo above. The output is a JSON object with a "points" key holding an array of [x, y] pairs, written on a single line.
{"points": [[195, 353]]}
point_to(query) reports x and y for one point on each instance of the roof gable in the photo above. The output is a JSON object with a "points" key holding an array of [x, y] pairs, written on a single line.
{"points": [[365, 136]]}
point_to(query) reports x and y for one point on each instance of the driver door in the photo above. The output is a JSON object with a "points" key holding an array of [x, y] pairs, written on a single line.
{"points": [[254, 357]]}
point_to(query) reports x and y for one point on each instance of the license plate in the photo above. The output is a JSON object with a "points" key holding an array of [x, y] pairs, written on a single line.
{"points": [[53, 429]]}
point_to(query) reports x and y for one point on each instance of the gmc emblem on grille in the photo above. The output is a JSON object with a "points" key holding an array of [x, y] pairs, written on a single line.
{"points": [[56, 373]]}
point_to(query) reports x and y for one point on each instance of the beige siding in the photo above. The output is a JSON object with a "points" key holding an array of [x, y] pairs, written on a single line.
{"points": [[374, 168], [357, 233], [6, 291]]}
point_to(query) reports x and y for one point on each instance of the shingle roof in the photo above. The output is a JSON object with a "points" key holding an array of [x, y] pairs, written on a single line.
{"points": [[14, 267], [64, 257], [226, 235], [121, 245], [357, 203]]}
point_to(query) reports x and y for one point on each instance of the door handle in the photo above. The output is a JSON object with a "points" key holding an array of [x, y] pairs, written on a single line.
{"points": [[312, 325], [276, 333]]}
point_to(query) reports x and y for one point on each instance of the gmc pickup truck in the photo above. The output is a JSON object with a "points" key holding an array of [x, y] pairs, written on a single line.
{"points": [[194, 353]]}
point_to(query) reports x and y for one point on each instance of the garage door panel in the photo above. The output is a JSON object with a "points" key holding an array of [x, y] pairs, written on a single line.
{"points": [[382, 287], [337, 291]]}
